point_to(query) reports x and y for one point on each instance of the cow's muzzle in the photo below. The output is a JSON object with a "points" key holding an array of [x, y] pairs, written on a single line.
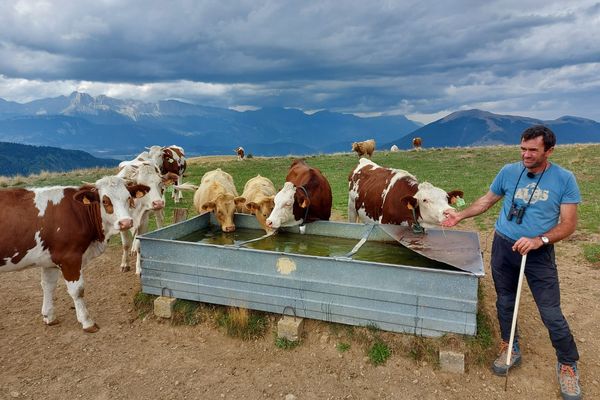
{"points": [[158, 205], [125, 223]]}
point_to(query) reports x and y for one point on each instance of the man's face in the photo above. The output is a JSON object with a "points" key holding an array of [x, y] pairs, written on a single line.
{"points": [[533, 154]]}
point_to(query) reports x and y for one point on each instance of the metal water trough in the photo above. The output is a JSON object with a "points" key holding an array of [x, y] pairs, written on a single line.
{"points": [[398, 298]]}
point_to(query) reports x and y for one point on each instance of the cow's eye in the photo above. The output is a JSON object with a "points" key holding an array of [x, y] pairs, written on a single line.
{"points": [[424, 200], [131, 203]]}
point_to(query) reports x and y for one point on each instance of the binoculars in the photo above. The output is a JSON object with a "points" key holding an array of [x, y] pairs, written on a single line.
{"points": [[516, 212]]}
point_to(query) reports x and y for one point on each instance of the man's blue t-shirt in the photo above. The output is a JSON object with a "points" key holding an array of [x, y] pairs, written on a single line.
{"points": [[557, 186]]}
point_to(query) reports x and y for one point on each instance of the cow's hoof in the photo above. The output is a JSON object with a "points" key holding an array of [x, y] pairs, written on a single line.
{"points": [[92, 329], [50, 323], [124, 268]]}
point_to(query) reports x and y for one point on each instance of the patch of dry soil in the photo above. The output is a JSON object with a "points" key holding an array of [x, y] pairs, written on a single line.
{"points": [[131, 358]]}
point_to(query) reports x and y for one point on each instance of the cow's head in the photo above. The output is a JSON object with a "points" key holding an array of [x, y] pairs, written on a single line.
{"points": [[115, 199], [147, 173], [262, 208], [224, 205], [430, 202], [283, 208]]}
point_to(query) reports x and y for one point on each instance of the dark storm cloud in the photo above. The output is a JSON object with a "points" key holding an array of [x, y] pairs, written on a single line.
{"points": [[353, 56]]}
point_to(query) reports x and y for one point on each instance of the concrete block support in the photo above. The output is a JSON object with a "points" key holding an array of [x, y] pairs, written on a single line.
{"points": [[452, 361], [290, 328], [163, 306]]}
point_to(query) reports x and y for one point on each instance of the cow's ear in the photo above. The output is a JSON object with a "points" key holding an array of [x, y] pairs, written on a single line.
{"points": [[301, 198], [137, 191], [252, 206], [239, 200], [170, 178], [208, 206], [454, 195], [87, 196], [409, 202]]}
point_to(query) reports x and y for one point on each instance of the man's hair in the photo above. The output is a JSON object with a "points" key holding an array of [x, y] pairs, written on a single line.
{"points": [[540, 130]]}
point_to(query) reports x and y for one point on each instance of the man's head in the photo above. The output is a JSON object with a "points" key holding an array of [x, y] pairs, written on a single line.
{"points": [[540, 130], [537, 144]]}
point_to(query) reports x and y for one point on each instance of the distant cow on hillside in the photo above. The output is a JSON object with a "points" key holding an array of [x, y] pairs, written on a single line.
{"points": [[240, 153], [417, 143], [365, 148]]}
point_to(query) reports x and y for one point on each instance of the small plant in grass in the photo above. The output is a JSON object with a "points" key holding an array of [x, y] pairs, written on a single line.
{"points": [[343, 347], [373, 328], [423, 349], [239, 322], [591, 252], [379, 352], [185, 312], [285, 343], [143, 303]]}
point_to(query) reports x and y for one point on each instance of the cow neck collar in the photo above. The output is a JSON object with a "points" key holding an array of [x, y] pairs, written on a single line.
{"points": [[307, 207], [95, 218]]}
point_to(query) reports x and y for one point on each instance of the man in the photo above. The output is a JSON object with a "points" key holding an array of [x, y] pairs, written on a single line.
{"points": [[539, 209]]}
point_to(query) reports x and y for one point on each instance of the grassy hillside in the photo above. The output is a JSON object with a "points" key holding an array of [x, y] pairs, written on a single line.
{"points": [[467, 169]]}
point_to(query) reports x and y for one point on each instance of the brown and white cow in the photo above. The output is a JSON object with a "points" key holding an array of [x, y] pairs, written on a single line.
{"points": [[365, 148], [259, 193], [217, 193], [417, 142], [167, 159], [305, 197], [240, 153], [148, 174], [60, 229], [389, 196]]}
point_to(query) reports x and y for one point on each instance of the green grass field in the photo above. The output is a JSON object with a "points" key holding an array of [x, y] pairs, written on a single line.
{"points": [[468, 169]]}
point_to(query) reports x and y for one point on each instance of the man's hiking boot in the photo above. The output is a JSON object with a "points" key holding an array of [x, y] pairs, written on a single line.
{"points": [[568, 379], [499, 366]]}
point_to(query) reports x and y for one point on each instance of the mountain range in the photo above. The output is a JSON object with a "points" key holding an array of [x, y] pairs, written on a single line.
{"points": [[120, 129], [22, 159]]}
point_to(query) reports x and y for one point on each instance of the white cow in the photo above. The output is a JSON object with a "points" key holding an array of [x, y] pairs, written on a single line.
{"points": [[259, 193], [143, 173], [217, 193]]}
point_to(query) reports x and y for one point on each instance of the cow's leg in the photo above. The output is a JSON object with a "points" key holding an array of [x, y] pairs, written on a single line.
{"points": [[126, 240], [76, 290], [352, 214], [49, 280], [177, 194], [160, 218], [135, 248]]}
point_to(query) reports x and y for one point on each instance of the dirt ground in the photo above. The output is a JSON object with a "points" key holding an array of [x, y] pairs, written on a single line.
{"points": [[132, 358]]}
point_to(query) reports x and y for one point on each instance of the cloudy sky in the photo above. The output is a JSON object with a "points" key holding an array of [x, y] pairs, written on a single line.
{"points": [[423, 59]]}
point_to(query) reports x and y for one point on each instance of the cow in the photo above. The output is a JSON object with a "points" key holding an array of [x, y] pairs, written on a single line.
{"points": [[305, 197], [365, 148], [240, 153], [167, 159], [394, 196], [259, 193], [394, 149], [60, 229], [417, 142], [217, 193], [148, 174]]}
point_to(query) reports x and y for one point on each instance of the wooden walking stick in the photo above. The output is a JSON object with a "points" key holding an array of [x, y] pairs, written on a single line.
{"points": [[513, 327]]}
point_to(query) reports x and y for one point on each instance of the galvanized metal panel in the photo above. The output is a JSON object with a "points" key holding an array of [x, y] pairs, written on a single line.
{"points": [[422, 301]]}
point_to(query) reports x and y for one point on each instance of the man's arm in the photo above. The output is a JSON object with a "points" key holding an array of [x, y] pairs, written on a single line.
{"points": [[479, 206], [565, 227]]}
